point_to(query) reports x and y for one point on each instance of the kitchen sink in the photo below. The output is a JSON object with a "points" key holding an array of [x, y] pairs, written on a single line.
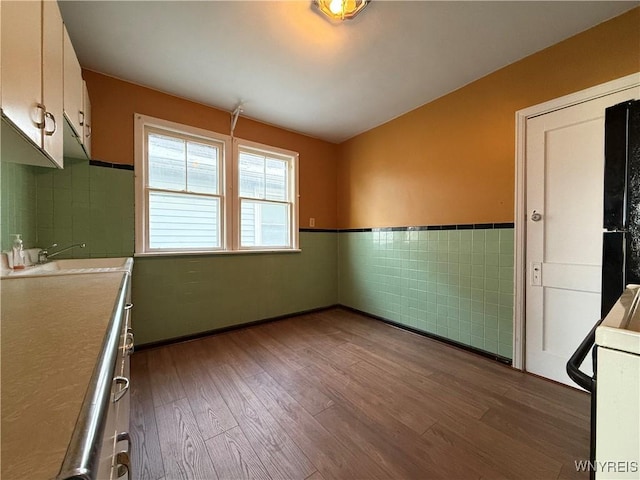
{"points": [[72, 266]]}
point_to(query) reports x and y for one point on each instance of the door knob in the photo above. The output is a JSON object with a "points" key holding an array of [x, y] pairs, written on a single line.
{"points": [[536, 216]]}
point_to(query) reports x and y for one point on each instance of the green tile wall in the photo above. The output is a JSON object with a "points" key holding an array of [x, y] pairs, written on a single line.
{"points": [[457, 284], [86, 204], [18, 203], [80, 203], [174, 296], [178, 296], [454, 283]]}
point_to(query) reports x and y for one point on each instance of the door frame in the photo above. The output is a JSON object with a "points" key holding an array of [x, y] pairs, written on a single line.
{"points": [[520, 223]]}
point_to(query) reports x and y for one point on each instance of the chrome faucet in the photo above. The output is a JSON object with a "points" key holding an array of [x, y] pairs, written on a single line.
{"points": [[44, 255]]}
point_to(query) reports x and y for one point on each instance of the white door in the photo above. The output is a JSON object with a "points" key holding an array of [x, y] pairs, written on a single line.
{"points": [[565, 174]]}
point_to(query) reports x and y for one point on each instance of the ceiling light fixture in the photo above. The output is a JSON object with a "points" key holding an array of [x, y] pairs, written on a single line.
{"points": [[340, 9]]}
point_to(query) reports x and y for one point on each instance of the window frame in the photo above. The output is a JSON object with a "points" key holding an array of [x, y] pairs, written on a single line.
{"points": [[143, 126], [229, 193], [291, 158]]}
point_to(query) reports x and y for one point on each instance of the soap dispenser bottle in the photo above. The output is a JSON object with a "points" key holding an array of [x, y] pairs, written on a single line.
{"points": [[17, 252]]}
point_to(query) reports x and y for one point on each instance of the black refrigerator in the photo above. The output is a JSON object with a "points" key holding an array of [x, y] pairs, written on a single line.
{"points": [[621, 234], [621, 237]]}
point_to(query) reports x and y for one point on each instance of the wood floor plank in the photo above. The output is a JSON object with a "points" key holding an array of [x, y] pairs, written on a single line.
{"points": [[446, 447], [209, 408], [352, 396], [184, 453], [572, 399], [569, 471], [298, 335], [281, 334], [547, 434], [578, 415], [483, 395], [165, 382], [324, 334], [315, 476], [424, 388], [363, 439], [323, 342], [402, 456], [142, 424], [480, 373], [375, 401], [330, 457], [220, 349], [234, 458], [440, 355], [334, 355], [289, 357], [294, 382], [279, 454], [513, 457], [420, 401]]}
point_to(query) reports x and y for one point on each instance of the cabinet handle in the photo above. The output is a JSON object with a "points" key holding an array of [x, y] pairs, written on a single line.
{"points": [[88, 134], [81, 117], [128, 345], [123, 457], [50, 116], [120, 393], [43, 109], [128, 306]]}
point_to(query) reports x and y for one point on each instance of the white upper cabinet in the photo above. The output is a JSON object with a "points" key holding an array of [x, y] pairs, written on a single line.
{"points": [[32, 83], [77, 107], [52, 84], [41, 86], [73, 92], [86, 127], [22, 67]]}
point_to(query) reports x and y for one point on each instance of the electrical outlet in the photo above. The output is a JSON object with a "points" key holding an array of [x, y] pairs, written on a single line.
{"points": [[312, 222]]}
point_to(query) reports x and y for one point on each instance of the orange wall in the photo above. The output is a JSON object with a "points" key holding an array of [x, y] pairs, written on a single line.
{"points": [[113, 103], [451, 161]]}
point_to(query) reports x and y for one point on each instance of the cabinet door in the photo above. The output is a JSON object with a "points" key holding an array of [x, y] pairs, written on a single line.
{"points": [[22, 66], [105, 463], [72, 88], [52, 78], [86, 108]]}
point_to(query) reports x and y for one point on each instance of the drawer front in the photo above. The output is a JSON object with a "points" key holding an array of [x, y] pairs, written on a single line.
{"points": [[116, 446], [108, 440], [122, 445]]}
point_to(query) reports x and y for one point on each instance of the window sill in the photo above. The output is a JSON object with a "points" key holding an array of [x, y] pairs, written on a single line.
{"points": [[215, 253]]}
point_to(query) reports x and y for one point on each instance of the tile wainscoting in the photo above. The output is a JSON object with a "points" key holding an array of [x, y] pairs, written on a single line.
{"points": [[454, 283], [18, 203], [182, 296], [81, 203], [87, 203]]}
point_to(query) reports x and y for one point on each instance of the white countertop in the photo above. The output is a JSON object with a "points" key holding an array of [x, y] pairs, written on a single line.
{"points": [[620, 330], [51, 333]]}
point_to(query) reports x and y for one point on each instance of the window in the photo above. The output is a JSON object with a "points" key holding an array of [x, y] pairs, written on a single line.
{"points": [[196, 194], [266, 196]]}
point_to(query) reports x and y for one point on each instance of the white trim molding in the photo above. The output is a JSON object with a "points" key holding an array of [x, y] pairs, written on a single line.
{"points": [[227, 191], [520, 221]]}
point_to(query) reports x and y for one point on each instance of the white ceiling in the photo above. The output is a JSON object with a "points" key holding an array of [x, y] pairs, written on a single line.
{"points": [[293, 68]]}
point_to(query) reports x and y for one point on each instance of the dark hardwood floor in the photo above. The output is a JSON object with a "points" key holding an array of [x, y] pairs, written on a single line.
{"points": [[339, 395]]}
